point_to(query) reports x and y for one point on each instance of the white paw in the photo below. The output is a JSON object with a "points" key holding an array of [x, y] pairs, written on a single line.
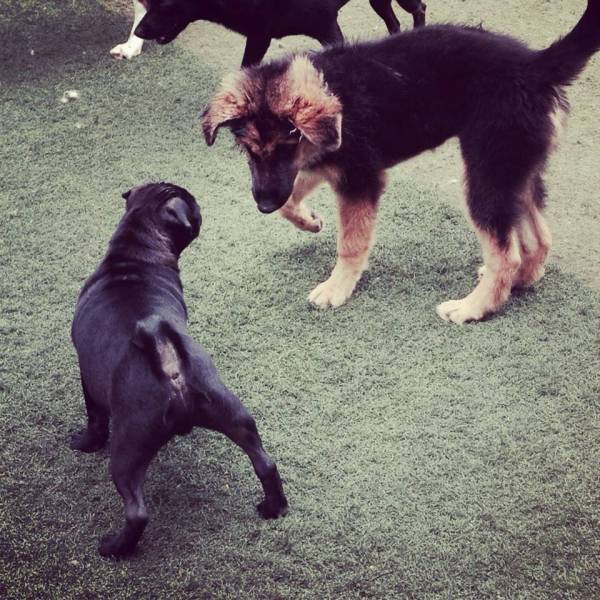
{"points": [[332, 292], [459, 311], [126, 50], [481, 272]]}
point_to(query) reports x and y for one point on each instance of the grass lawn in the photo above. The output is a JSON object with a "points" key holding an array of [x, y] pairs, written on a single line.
{"points": [[421, 460]]}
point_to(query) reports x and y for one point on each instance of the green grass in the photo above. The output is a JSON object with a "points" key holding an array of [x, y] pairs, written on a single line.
{"points": [[421, 460]]}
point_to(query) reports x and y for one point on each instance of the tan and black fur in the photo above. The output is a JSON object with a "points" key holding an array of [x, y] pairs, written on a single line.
{"points": [[346, 114]]}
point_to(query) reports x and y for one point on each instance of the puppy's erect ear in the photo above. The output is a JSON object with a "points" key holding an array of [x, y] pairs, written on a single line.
{"points": [[232, 101], [125, 195], [306, 101]]}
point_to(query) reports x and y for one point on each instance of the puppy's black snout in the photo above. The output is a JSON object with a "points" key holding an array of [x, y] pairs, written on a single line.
{"points": [[269, 206], [268, 200]]}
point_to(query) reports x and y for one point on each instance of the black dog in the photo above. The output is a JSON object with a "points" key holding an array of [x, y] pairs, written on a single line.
{"points": [[262, 20], [139, 366], [348, 113]]}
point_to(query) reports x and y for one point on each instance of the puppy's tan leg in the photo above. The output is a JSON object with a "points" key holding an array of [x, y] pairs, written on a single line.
{"points": [[535, 240], [355, 238], [295, 210], [501, 262]]}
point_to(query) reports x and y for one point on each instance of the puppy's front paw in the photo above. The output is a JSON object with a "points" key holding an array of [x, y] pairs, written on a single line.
{"points": [[314, 223], [113, 545], [331, 293], [84, 441], [126, 50], [302, 217], [460, 311], [272, 510]]}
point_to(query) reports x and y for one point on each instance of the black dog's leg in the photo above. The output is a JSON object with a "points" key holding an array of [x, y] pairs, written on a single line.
{"points": [[256, 48], [384, 9], [416, 8], [131, 452], [228, 415], [333, 35], [94, 436]]}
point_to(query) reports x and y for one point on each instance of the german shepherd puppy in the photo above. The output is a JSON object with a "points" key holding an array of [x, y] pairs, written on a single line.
{"points": [[260, 20], [140, 368], [348, 113]]}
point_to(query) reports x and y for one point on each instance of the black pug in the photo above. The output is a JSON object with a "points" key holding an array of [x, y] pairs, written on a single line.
{"points": [[140, 368], [348, 113], [262, 20]]}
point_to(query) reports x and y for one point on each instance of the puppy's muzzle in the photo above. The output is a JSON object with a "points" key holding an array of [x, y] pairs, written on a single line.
{"points": [[269, 198], [270, 205], [159, 35]]}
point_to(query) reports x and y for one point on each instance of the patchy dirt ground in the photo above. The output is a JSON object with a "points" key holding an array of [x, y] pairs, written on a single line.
{"points": [[573, 175]]}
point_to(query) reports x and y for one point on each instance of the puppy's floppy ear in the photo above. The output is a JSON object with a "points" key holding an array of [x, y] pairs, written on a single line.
{"points": [[313, 109], [232, 101]]}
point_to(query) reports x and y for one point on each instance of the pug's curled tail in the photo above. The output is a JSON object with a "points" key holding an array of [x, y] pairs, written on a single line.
{"points": [[164, 348]]}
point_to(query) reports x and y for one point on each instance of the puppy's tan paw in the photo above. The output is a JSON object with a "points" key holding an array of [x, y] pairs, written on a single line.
{"points": [[331, 293], [303, 218], [126, 50], [315, 223], [459, 311]]}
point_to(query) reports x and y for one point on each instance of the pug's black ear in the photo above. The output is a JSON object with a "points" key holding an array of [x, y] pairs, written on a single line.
{"points": [[125, 195], [183, 217], [177, 213]]}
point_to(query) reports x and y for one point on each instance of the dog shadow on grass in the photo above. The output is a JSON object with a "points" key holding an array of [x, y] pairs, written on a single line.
{"points": [[440, 264]]}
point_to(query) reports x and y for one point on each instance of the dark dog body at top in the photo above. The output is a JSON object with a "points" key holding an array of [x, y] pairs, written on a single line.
{"points": [[348, 113], [139, 367], [261, 20]]}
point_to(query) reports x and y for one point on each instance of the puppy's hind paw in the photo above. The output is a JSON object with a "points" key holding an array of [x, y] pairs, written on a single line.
{"points": [[84, 441], [272, 510]]}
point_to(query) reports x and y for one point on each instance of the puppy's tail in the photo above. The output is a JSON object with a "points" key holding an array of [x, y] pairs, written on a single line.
{"points": [[565, 59], [164, 348]]}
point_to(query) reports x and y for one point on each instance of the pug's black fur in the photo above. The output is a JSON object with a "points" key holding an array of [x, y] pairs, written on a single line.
{"points": [[139, 367]]}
